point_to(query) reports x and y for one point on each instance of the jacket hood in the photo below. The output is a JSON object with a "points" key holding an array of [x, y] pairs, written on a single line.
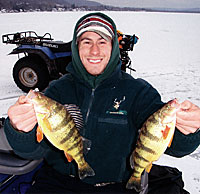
{"points": [[112, 64]]}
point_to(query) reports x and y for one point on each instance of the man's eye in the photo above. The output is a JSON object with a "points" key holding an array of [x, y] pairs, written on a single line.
{"points": [[102, 42], [86, 42]]}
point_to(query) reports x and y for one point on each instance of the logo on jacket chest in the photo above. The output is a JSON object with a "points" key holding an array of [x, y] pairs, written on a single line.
{"points": [[116, 107]]}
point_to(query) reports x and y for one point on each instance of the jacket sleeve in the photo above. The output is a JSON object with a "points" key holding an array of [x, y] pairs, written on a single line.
{"points": [[24, 144], [183, 144], [149, 101]]}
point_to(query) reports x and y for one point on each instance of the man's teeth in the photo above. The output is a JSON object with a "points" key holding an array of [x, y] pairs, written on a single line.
{"points": [[94, 61]]}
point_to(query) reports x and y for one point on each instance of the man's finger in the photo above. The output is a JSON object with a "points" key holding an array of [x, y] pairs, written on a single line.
{"points": [[187, 123], [183, 130], [27, 125], [186, 114], [22, 100], [186, 129], [21, 109], [185, 105]]}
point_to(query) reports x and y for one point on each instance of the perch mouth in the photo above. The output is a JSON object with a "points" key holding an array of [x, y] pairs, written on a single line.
{"points": [[32, 94], [174, 103]]}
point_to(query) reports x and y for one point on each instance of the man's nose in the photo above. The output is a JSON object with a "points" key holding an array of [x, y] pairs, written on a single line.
{"points": [[95, 49]]}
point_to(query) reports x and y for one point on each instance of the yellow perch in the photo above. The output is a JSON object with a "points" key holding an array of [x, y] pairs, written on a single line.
{"points": [[155, 135], [60, 128]]}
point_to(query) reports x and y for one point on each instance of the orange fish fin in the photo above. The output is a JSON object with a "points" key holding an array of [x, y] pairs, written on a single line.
{"points": [[148, 168], [69, 157], [170, 143], [165, 132], [39, 134], [46, 123]]}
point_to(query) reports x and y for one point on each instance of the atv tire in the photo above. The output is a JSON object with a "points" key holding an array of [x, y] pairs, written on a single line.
{"points": [[29, 73]]}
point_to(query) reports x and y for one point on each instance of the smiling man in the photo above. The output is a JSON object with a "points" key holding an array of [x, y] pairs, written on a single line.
{"points": [[95, 48]]}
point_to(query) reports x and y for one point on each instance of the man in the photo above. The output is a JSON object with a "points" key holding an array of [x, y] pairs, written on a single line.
{"points": [[114, 106]]}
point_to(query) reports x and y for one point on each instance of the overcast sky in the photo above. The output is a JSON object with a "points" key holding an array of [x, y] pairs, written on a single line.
{"points": [[152, 3]]}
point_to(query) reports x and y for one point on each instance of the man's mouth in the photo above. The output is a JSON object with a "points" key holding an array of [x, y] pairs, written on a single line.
{"points": [[94, 60]]}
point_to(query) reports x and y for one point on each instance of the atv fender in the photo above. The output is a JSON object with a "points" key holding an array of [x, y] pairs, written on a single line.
{"points": [[44, 52]]}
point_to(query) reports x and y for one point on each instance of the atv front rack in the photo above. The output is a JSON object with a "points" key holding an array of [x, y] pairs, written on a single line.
{"points": [[28, 37]]}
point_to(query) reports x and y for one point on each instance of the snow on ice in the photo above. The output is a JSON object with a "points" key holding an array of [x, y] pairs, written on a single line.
{"points": [[166, 55]]}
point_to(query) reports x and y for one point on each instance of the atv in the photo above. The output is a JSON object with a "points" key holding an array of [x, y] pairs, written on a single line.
{"points": [[45, 60]]}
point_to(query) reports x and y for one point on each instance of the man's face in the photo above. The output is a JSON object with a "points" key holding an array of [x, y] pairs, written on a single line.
{"points": [[94, 52]]}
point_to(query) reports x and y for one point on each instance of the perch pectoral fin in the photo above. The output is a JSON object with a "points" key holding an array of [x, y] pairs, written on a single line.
{"points": [[39, 134], [69, 157], [46, 123], [170, 141], [148, 168]]}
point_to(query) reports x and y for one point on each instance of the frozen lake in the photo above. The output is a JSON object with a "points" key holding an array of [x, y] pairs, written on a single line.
{"points": [[167, 55]]}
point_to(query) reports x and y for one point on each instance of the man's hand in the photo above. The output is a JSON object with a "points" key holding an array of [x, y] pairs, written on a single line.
{"points": [[22, 115], [188, 118]]}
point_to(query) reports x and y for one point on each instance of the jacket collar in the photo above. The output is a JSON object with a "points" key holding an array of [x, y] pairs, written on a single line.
{"points": [[112, 80]]}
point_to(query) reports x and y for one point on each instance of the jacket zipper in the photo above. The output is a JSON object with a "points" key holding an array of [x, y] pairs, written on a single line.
{"points": [[90, 105]]}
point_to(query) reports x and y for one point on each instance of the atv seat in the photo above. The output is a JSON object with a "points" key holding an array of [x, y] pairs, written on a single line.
{"points": [[12, 167], [11, 163]]}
